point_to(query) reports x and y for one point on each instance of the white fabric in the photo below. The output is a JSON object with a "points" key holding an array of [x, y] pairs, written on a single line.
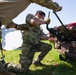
{"points": [[11, 38]]}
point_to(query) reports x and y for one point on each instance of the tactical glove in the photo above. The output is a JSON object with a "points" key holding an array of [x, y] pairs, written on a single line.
{"points": [[47, 21]]}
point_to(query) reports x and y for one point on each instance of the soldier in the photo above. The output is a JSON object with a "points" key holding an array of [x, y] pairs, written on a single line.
{"points": [[16, 7], [32, 43]]}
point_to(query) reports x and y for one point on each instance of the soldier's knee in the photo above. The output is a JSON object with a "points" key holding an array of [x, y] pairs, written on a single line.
{"points": [[49, 47]]}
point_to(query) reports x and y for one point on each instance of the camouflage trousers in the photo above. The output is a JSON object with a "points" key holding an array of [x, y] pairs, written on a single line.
{"points": [[26, 57], [31, 44]]}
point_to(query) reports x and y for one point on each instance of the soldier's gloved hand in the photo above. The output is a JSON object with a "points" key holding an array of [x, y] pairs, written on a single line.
{"points": [[47, 21], [57, 7]]}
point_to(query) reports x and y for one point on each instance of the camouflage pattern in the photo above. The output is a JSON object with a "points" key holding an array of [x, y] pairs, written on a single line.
{"points": [[29, 48], [47, 3], [31, 44]]}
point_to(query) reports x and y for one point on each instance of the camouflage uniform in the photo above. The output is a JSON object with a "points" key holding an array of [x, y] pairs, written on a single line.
{"points": [[31, 44], [16, 7]]}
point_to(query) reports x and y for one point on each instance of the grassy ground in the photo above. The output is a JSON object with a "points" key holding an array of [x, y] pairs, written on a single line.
{"points": [[53, 66]]}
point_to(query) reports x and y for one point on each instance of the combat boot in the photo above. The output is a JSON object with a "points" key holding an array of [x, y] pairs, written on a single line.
{"points": [[49, 4], [15, 68], [3, 71], [37, 63]]}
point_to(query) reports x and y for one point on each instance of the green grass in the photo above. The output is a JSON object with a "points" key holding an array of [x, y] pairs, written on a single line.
{"points": [[53, 66]]}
